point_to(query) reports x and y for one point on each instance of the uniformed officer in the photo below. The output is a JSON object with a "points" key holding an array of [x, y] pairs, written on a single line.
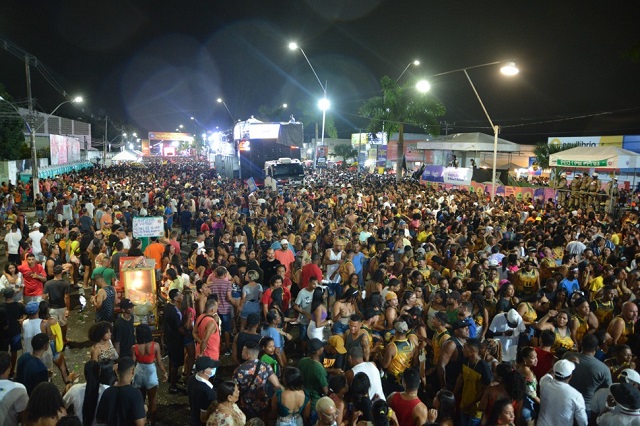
{"points": [[561, 186], [594, 189], [574, 201]]}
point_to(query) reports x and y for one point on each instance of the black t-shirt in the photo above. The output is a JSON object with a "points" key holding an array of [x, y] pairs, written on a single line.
{"points": [[200, 397], [242, 339], [10, 313], [56, 289], [269, 269], [123, 332], [31, 371], [120, 405]]}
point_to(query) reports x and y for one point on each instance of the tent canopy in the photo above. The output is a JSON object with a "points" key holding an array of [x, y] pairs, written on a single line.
{"points": [[124, 156], [601, 157], [469, 142]]}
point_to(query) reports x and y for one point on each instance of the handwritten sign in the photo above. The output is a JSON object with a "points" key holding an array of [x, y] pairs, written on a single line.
{"points": [[148, 227], [251, 183]]}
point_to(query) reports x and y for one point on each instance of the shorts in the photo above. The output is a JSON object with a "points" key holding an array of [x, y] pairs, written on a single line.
{"points": [[58, 314], [303, 331], [188, 339], [226, 322], [146, 376], [28, 299], [14, 343], [186, 230], [56, 354]]}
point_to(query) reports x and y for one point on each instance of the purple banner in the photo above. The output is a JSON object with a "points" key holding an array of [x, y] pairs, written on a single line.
{"points": [[433, 174]]}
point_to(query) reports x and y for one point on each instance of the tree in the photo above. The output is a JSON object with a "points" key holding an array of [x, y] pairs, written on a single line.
{"points": [[543, 151], [345, 151], [12, 129], [399, 106]]}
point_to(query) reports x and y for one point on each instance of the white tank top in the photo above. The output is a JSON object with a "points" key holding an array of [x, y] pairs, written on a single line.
{"points": [[332, 268], [30, 327], [370, 369]]}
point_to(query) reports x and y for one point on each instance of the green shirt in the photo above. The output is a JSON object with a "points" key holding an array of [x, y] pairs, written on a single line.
{"points": [[107, 273], [314, 377]]}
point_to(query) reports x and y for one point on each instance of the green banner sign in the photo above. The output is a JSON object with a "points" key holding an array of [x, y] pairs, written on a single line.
{"points": [[586, 163]]}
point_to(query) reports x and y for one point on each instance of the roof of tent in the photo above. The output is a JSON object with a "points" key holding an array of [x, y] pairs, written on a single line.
{"points": [[124, 156], [469, 142], [601, 157]]}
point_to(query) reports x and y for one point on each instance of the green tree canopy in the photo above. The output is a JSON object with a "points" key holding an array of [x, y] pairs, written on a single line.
{"points": [[345, 151], [399, 106], [543, 151], [12, 129]]}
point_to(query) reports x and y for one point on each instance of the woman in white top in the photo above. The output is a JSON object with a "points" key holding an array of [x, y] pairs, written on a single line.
{"points": [[12, 278], [319, 316], [84, 397]]}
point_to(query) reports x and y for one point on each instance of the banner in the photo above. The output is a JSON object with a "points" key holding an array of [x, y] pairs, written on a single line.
{"points": [[584, 163], [433, 174], [322, 152], [148, 227], [592, 141], [381, 159], [457, 176], [251, 183], [534, 167]]}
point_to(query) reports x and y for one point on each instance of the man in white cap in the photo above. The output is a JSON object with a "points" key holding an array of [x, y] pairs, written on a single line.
{"points": [[285, 256], [560, 404], [507, 328]]}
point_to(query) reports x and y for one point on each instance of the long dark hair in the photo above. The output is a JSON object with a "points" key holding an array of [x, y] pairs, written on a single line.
{"points": [[447, 405], [317, 299], [95, 373]]}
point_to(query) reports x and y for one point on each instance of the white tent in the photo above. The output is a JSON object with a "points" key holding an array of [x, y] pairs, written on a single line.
{"points": [[470, 142], [124, 156], [601, 157]]}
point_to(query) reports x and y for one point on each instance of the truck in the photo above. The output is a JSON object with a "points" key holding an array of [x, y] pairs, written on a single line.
{"points": [[258, 142], [283, 171]]}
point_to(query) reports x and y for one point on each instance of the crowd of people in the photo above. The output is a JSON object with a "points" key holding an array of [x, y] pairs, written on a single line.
{"points": [[349, 300]]}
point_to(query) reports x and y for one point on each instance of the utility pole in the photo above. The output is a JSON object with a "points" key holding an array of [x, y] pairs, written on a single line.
{"points": [[32, 135], [104, 144], [447, 126]]}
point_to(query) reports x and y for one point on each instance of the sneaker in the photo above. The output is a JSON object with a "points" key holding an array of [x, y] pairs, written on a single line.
{"points": [[227, 352], [177, 390]]}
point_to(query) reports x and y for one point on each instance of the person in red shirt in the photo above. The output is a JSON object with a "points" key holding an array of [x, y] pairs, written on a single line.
{"points": [[311, 270], [545, 358], [34, 278]]}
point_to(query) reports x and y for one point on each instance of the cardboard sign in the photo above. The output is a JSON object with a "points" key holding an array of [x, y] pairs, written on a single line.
{"points": [[148, 227]]}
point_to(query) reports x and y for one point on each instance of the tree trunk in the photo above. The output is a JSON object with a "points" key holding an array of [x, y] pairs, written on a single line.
{"points": [[400, 152]]}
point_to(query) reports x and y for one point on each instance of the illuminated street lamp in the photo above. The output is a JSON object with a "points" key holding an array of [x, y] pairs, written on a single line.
{"points": [[414, 63], [285, 106], [323, 103], [508, 69], [423, 86], [220, 101]]}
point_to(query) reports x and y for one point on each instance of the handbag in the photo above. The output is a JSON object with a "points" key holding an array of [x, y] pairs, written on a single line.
{"points": [[253, 379]]}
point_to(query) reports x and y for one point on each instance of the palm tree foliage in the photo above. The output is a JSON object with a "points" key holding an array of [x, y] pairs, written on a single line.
{"points": [[399, 106]]}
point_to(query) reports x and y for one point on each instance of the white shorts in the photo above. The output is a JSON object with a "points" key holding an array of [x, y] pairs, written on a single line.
{"points": [[58, 314]]}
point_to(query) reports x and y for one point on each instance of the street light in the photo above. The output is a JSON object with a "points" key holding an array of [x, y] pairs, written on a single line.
{"points": [[415, 63], [220, 101], [284, 106], [508, 69], [323, 103], [32, 138], [423, 86]]}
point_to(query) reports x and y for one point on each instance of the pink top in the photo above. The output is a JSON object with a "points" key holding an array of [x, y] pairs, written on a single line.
{"points": [[212, 348]]}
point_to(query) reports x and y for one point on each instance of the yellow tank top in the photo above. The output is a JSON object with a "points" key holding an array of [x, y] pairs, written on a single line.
{"points": [[530, 315], [628, 329], [526, 282], [437, 342], [562, 342], [583, 327], [402, 359], [604, 312]]}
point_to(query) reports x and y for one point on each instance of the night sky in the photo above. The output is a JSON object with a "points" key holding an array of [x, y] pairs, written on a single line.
{"points": [[153, 64]]}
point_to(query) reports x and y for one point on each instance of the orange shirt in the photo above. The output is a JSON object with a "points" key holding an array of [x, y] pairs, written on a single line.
{"points": [[155, 251]]}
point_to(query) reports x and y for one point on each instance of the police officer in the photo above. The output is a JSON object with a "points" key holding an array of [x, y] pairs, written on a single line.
{"points": [[574, 201], [561, 186], [584, 190], [594, 189]]}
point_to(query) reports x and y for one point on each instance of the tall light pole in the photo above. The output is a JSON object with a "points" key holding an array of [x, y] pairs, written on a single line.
{"points": [[509, 69], [323, 103], [221, 101]]}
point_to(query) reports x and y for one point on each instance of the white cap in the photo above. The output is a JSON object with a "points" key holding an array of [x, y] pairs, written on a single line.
{"points": [[493, 262], [630, 375], [284, 241], [513, 316], [36, 225], [563, 368]]}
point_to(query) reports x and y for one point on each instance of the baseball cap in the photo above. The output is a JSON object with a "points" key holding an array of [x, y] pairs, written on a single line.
{"points": [[338, 344], [401, 326], [421, 251], [284, 241], [204, 362], [513, 316], [370, 220], [36, 225], [626, 395], [563, 368], [390, 296], [371, 312], [32, 307], [630, 375], [126, 303], [315, 345], [461, 324]]}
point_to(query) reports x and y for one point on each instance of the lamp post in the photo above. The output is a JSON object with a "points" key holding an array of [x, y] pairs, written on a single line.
{"points": [[508, 69], [415, 63], [323, 103], [221, 101]]}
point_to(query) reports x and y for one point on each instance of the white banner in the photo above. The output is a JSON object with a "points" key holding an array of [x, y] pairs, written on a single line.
{"points": [[457, 176], [148, 227]]}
